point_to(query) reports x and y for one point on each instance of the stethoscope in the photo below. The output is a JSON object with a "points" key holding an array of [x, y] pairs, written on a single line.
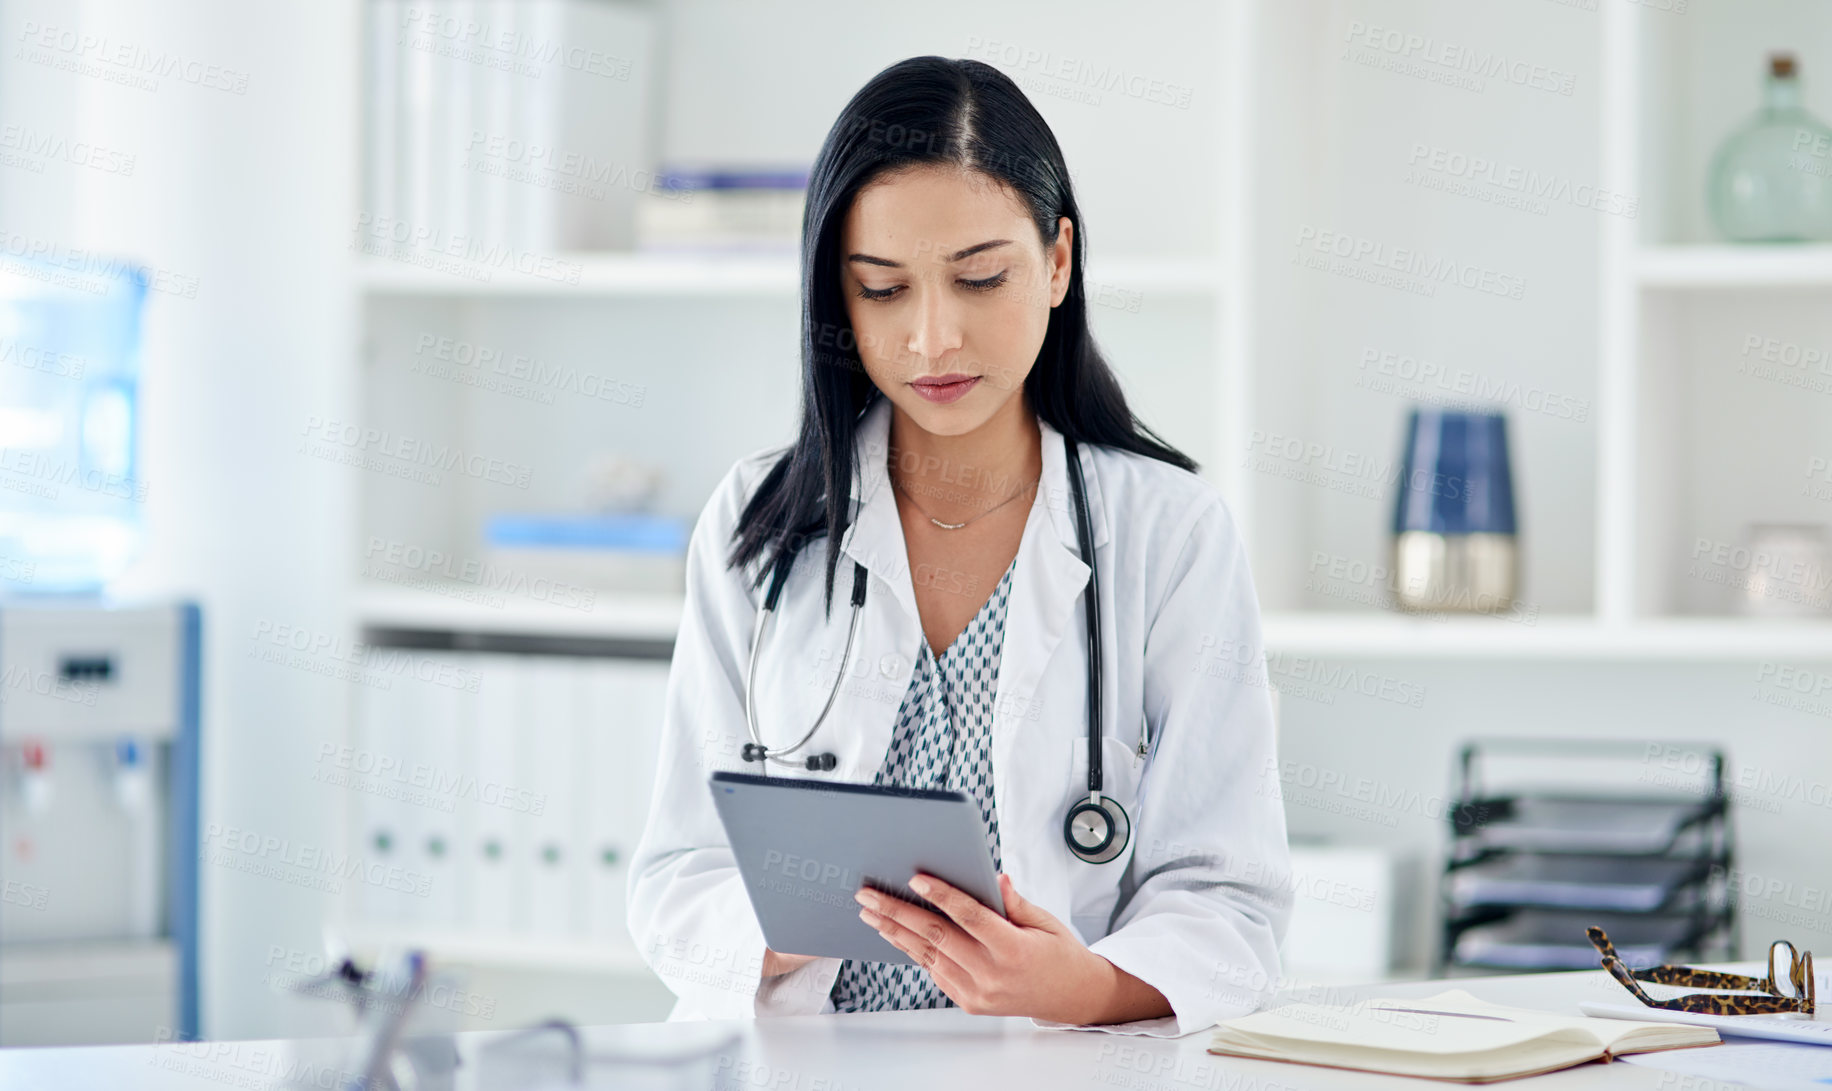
{"points": [[1096, 828]]}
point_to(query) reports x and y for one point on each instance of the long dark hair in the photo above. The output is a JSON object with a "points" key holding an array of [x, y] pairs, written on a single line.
{"points": [[925, 110]]}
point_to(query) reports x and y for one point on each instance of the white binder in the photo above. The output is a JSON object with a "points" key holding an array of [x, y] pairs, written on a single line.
{"points": [[490, 867], [381, 110], [422, 134], [603, 866], [385, 830], [486, 152], [458, 78], [434, 734], [548, 732]]}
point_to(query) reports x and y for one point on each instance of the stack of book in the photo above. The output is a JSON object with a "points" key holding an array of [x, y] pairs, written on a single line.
{"points": [[725, 210], [505, 126]]}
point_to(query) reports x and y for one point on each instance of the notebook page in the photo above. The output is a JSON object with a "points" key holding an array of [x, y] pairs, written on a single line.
{"points": [[1435, 1025], [1449, 1022]]}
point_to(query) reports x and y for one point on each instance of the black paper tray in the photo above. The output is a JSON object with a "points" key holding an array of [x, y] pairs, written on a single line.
{"points": [[1535, 939], [1637, 884], [1580, 824]]}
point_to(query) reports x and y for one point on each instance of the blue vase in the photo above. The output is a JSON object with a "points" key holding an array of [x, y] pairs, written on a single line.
{"points": [[1454, 541]]}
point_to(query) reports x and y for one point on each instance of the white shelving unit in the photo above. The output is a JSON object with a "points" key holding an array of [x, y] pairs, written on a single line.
{"points": [[1228, 347], [1697, 445], [1366, 635], [1705, 268], [1683, 452], [632, 616], [711, 343]]}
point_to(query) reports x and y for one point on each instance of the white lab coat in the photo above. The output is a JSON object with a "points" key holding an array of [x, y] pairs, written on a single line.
{"points": [[1197, 904]]}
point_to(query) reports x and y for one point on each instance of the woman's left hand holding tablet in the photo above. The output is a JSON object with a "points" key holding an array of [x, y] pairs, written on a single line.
{"points": [[1025, 963]]}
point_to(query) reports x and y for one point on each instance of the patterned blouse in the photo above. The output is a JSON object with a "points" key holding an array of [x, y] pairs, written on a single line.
{"points": [[943, 740]]}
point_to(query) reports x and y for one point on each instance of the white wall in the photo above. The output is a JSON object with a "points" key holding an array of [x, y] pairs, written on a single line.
{"points": [[1360, 770], [249, 194]]}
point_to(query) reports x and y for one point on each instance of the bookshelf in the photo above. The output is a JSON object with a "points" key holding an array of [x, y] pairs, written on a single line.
{"points": [[1234, 344]]}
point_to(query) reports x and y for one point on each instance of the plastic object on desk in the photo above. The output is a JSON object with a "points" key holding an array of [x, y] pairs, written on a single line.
{"points": [[1816, 1031], [1540, 939], [555, 1055], [403, 1039]]}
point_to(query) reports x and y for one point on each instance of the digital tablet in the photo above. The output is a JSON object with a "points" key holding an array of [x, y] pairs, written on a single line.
{"points": [[805, 847]]}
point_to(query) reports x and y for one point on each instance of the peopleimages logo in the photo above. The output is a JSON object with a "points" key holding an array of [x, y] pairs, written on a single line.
{"points": [[386, 450], [1404, 49], [408, 563], [1427, 270], [1462, 386], [1791, 904], [1524, 181], [1334, 790], [379, 768], [303, 864]]}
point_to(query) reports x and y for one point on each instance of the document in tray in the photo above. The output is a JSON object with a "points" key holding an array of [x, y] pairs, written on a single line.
{"points": [[1450, 1036], [1816, 1030], [1548, 824], [1773, 1066]]}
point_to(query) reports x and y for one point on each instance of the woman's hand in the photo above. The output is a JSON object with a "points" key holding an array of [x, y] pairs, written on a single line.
{"points": [[1025, 963], [775, 965]]}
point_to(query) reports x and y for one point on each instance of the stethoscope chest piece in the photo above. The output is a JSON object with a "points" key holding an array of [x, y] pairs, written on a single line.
{"points": [[1097, 831]]}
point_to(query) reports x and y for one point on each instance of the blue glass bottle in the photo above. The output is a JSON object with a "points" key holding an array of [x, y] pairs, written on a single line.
{"points": [[1771, 181]]}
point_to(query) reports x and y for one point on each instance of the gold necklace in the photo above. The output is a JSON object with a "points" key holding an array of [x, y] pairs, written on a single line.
{"points": [[898, 485]]}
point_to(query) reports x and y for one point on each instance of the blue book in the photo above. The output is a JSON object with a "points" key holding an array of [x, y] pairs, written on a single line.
{"points": [[626, 532], [761, 179]]}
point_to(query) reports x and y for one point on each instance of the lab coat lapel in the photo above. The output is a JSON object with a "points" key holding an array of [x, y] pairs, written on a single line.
{"points": [[1030, 744], [890, 628], [875, 538]]}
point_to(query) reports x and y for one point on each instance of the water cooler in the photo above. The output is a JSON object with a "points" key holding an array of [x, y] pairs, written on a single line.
{"points": [[98, 822]]}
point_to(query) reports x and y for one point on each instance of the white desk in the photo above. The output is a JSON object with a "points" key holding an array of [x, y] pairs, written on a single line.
{"points": [[931, 1050]]}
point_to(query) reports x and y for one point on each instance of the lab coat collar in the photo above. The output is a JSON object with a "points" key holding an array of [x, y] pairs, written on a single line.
{"points": [[871, 483]]}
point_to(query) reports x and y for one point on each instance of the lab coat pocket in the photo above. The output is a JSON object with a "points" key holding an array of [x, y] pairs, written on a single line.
{"points": [[1121, 768], [1095, 887]]}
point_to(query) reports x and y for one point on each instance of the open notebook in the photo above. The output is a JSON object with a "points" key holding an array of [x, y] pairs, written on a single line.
{"points": [[1450, 1036]]}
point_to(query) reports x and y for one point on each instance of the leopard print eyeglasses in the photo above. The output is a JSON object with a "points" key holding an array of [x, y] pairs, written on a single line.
{"points": [[1799, 975]]}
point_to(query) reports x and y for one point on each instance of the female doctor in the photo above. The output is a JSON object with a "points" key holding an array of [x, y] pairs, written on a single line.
{"points": [[963, 448]]}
